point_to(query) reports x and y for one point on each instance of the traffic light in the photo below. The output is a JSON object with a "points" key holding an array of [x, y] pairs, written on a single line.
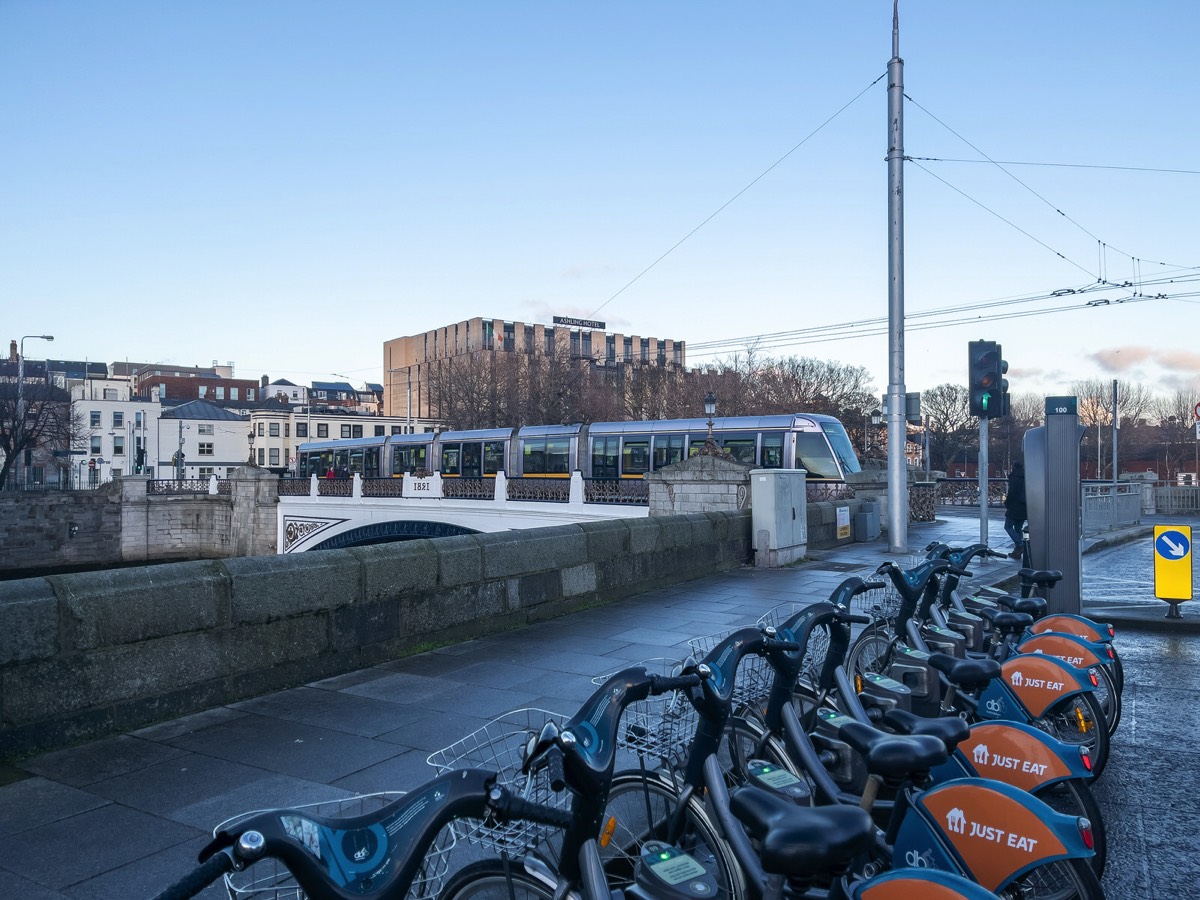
{"points": [[985, 381], [1004, 408]]}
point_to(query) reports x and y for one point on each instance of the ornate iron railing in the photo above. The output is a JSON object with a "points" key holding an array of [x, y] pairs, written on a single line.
{"points": [[225, 487], [383, 487], [818, 492], [294, 487], [965, 491], [177, 486], [335, 487], [469, 488], [632, 491], [547, 490]]}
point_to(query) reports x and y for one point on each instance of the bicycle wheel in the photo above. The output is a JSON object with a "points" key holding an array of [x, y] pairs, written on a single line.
{"points": [[871, 651], [642, 808], [1109, 696], [1073, 797], [1062, 879], [1118, 670], [494, 879], [1079, 720]]}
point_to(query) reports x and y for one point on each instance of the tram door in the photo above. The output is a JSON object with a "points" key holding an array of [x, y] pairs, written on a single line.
{"points": [[472, 460]]}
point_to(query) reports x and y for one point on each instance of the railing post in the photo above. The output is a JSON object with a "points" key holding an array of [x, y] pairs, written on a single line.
{"points": [[356, 487], [212, 484], [501, 488], [313, 489], [575, 497]]}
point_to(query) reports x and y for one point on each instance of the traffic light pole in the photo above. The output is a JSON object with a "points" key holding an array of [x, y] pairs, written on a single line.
{"points": [[983, 480]]}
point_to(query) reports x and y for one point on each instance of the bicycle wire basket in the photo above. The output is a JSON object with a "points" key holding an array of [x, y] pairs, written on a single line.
{"points": [[662, 726], [500, 746], [754, 675], [881, 603], [816, 645], [270, 879]]}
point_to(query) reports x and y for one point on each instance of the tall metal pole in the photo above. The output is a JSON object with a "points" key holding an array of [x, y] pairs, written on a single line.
{"points": [[1114, 436], [983, 480], [897, 428]]}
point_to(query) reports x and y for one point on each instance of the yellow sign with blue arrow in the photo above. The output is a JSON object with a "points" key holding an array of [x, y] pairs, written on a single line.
{"points": [[1173, 562]]}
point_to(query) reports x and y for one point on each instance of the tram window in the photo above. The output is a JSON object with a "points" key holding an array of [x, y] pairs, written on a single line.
{"points": [[472, 459], [341, 463], [694, 446], [450, 459], [534, 457], [408, 459], [606, 457], [772, 451], [493, 457], [742, 447], [814, 455], [842, 448], [635, 456], [558, 451], [371, 462], [668, 449], [356, 461]]}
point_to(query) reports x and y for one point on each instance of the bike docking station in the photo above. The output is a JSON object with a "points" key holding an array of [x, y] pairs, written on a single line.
{"points": [[1052, 496], [1173, 566]]}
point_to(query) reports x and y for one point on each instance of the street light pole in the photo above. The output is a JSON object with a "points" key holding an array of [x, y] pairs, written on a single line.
{"points": [[20, 423]]}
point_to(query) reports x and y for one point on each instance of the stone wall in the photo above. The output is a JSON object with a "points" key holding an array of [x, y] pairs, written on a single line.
{"points": [[52, 529], [90, 654]]}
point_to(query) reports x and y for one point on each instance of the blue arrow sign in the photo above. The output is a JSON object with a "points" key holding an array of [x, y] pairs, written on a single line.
{"points": [[1172, 545]]}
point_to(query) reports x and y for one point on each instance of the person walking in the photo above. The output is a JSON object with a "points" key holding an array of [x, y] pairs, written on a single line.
{"points": [[1014, 508]]}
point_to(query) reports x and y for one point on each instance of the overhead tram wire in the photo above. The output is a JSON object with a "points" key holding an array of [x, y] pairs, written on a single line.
{"points": [[730, 201], [1000, 166], [1010, 162]]}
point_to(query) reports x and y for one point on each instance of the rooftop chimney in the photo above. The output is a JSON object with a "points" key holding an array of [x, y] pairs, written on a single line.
{"points": [[12, 351]]}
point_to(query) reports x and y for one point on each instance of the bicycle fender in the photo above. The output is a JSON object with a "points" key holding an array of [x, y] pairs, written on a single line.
{"points": [[928, 884], [1070, 648], [997, 831], [1018, 754], [1068, 623], [1037, 681]]}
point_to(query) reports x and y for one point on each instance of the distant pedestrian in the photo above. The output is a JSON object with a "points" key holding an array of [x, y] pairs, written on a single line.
{"points": [[329, 473], [1014, 508]]}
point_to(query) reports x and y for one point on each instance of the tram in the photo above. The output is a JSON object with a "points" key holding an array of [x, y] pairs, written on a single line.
{"points": [[816, 443]]}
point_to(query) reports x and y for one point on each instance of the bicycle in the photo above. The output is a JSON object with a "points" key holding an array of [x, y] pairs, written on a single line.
{"points": [[1032, 688], [915, 835]]}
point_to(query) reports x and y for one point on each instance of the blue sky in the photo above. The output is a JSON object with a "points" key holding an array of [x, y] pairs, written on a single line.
{"points": [[288, 184]]}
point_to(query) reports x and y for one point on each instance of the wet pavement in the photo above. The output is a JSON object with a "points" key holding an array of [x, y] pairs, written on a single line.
{"points": [[124, 816]]}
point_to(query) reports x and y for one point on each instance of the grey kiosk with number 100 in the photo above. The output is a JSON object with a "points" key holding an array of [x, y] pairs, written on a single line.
{"points": [[1053, 500]]}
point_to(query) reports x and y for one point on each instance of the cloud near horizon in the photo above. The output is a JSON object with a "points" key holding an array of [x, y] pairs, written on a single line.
{"points": [[1122, 359]]}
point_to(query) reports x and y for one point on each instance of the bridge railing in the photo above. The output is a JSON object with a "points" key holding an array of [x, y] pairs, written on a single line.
{"points": [[469, 488], [965, 491], [629, 491], [546, 490], [335, 487], [295, 487], [180, 486]]}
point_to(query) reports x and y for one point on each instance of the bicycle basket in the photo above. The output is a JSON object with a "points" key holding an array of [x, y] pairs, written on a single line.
{"points": [[662, 726], [751, 682], [500, 745], [881, 603], [816, 646], [270, 879]]}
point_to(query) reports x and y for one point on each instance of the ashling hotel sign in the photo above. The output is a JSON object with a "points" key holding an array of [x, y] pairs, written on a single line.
{"points": [[579, 323]]}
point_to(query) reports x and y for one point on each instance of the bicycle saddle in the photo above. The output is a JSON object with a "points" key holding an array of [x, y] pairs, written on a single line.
{"points": [[1007, 622], [802, 840], [893, 756], [1040, 577], [950, 730], [1033, 606], [968, 674]]}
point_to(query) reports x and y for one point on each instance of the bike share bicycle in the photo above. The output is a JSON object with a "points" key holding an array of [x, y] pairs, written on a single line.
{"points": [[1035, 689], [802, 736], [1063, 636], [1000, 836]]}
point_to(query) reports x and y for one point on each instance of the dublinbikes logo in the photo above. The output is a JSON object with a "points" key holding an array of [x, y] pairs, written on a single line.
{"points": [[958, 823]]}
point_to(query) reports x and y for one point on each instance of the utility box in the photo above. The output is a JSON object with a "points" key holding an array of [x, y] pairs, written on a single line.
{"points": [[866, 523], [779, 516]]}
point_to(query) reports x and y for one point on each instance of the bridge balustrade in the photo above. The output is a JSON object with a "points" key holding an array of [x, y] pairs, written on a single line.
{"points": [[383, 487], [295, 487], [178, 486], [634, 491], [469, 488], [335, 487], [546, 490]]}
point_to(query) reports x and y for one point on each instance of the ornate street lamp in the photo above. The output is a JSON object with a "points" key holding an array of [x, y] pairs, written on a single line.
{"points": [[711, 447], [250, 438], [710, 410]]}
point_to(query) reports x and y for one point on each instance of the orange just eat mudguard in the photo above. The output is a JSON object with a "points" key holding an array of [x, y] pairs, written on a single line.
{"points": [[1066, 625], [902, 890], [1062, 646], [1038, 680], [995, 835], [999, 751]]}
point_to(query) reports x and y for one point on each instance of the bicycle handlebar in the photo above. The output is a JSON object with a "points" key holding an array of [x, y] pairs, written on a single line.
{"points": [[200, 877], [508, 806], [554, 766], [663, 684]]}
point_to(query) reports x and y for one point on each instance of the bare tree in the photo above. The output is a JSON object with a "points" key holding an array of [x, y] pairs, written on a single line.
{"points": [[48, 425], [952, 431], [1174, 440], [1134, 404]]}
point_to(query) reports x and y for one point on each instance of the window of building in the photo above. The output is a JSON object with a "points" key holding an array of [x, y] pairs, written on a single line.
{"points": [[162, 391], [273, 456], [273, 429], [645, 350], [118, 445], [116, 473], [118, 419], [548, 334], [574, 345], [677, 353], [262, 459], [204, 429], [205, 449], [529, 339], [356, 431], [95, 418], [345, 431], [233, 393], [510, 340], [302, 429], [322, 430], [287, 429], [137, 420], [206, 471], [397, 429], [610, 348], [628, 349], [586, 338], [249, 393], [379, 431], [95, 448], [220, 392], [201, 391], [261, 430], [110, 394]]}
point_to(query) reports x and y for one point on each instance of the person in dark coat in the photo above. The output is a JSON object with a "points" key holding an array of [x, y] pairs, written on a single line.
{"points": [[1014, 507]]}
